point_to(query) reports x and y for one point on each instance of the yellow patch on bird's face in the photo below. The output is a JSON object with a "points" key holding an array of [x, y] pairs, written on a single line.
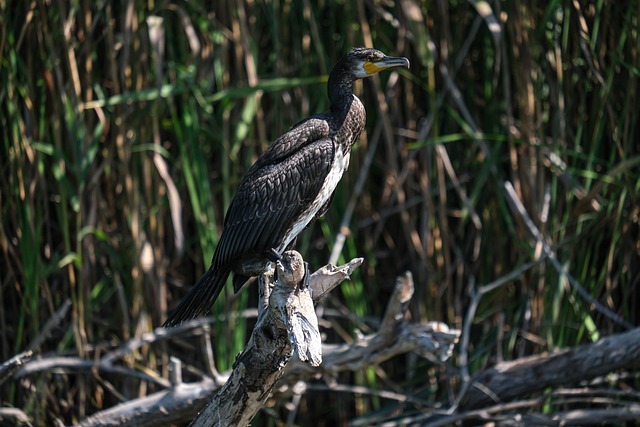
{"points": [[371, 68]]}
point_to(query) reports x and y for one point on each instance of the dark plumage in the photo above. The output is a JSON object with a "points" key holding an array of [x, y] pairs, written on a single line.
{"points": [[289, 186]]}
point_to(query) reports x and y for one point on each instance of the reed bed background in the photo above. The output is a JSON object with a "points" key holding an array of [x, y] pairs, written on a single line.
{"points": [[126, 127]]}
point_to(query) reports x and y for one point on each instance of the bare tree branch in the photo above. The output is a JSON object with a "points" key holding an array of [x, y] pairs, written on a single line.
{"points": [[10, 366], [433, 340], [521, 377], [14, 417], [167, 407], [261, 364]]}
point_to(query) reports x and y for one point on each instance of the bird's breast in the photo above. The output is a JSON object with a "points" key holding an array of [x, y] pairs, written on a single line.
{"points": [[339, 165]]}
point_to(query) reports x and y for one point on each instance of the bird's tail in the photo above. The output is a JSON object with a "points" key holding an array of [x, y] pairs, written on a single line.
{"points": [[200, 298]]}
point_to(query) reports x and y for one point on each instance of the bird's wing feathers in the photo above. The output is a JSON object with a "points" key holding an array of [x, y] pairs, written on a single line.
{"points": [[273, 194], [314, 128], [200, 297]]}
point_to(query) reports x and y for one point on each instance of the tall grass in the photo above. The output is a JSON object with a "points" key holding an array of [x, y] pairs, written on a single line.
{"points": [[126, 128]]}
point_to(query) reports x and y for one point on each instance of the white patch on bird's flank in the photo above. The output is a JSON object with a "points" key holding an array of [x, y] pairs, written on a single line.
{"points": [[340, 164]]}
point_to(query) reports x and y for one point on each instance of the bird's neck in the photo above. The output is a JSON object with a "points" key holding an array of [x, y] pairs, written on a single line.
{"points": [[340, 88], [347, 112]]}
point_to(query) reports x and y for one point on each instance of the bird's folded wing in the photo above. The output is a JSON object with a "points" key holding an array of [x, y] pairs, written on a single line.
{"points": [[307, 131], [270, 199]]}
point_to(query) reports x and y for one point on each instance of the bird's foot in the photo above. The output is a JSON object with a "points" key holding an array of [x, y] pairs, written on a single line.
{"points": [[307, 277], [273, 255]]}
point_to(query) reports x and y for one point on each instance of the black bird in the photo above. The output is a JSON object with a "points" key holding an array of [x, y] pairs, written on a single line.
{"points": [[289, 186]]}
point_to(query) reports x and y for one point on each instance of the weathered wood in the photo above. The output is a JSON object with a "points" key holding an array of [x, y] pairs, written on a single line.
{"points": [[14, 417], [396, 335], [527, 413], [171, 406], [262, 362], [524, 376], [326, 278], [10, 366]]}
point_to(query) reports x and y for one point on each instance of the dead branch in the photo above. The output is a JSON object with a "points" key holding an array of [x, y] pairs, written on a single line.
{"points": [[167, 407], [522, 377], [10, 366], [433, 340], [283, 318], [14, 417], [395, 336], [527, 413], [286, 325]]}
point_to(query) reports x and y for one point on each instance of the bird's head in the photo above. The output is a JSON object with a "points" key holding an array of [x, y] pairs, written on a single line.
{"points": [[358, 63], [364, 62]]}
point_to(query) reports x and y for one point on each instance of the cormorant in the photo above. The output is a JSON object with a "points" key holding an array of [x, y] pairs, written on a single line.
{"points": [[289, 186]]}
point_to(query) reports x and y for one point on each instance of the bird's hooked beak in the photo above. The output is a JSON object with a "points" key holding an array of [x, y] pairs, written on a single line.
{"points": [[371, 67]]}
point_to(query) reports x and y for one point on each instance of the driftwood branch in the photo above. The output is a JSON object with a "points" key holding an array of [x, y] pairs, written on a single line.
{"points": [[515, 392], [284, 312], [395, 336], [522, 377], [167, 407], [491, 395], [286, 326], [527, 413], [10, 366], [14, 417]]}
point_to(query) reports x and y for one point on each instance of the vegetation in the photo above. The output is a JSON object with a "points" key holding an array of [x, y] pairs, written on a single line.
{"points": [[126, 126]]}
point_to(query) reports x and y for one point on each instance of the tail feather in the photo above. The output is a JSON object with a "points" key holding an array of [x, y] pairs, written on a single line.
{"points": [[199, 299]]}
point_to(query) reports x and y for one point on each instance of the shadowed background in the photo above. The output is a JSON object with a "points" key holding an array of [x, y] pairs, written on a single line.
{"points": [[127, 126]]}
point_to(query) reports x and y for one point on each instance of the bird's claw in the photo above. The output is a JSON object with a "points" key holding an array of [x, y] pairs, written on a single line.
{"points": [[273, 255], [307, 277]]}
